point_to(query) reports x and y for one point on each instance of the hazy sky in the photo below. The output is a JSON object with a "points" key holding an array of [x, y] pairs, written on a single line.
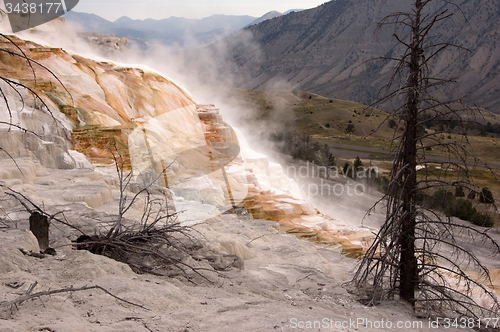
{"points": [[158, 9]]}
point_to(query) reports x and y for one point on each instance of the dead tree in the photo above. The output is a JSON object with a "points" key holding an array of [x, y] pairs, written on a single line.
{"points": [[419, 255], [157, 243], [125, 202]]}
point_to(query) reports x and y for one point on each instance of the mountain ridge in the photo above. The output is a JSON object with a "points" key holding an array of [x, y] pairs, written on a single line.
{"points": [[325, 49], [267, 16], [172, 31]]}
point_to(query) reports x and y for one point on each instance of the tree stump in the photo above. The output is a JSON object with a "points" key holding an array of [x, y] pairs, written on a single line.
{"points": [[39, 226]]}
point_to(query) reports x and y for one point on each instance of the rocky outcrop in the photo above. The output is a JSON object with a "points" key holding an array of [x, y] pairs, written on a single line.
{"points": [[107, 43]]}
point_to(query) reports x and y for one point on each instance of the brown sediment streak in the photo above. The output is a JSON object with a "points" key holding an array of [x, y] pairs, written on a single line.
{"points": [[144, 133], [164, 171], [230, 193], [263, 205], [110, 99], [163, 168], [228, 187], [113, 102], [147, 143], [210, 152], [214, 137]]}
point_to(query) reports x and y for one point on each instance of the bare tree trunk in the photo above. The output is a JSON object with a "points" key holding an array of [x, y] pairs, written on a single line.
{"points": [[409, 254], [408, 263], [39, 226]]}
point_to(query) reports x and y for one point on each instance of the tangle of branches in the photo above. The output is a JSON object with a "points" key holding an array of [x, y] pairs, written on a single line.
{"points": [[420, 255]]}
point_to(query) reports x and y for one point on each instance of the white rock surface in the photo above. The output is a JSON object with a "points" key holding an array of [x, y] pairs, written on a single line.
{"points": [[285, 281]]}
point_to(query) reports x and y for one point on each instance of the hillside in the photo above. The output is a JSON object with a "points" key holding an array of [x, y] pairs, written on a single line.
{"points": [[278, 112], [324, 50]]}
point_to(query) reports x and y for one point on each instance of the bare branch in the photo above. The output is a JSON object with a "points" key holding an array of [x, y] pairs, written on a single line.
{"points": [[71, 289]]}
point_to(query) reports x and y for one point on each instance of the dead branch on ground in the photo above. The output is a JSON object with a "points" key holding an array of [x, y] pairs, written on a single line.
{"points": [[29, 295]]}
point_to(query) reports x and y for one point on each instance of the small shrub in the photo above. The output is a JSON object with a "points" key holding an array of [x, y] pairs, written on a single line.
{"points": [[443, 199], [482, 219], [382, 182], [350, 129], [459, 192], [471, 195], [456, 207], [346, 169], [463, 209], [486, 196], [357, 163]]}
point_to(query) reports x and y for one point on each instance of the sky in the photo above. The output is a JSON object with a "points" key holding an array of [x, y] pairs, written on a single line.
{"points": [[159, 9]]}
